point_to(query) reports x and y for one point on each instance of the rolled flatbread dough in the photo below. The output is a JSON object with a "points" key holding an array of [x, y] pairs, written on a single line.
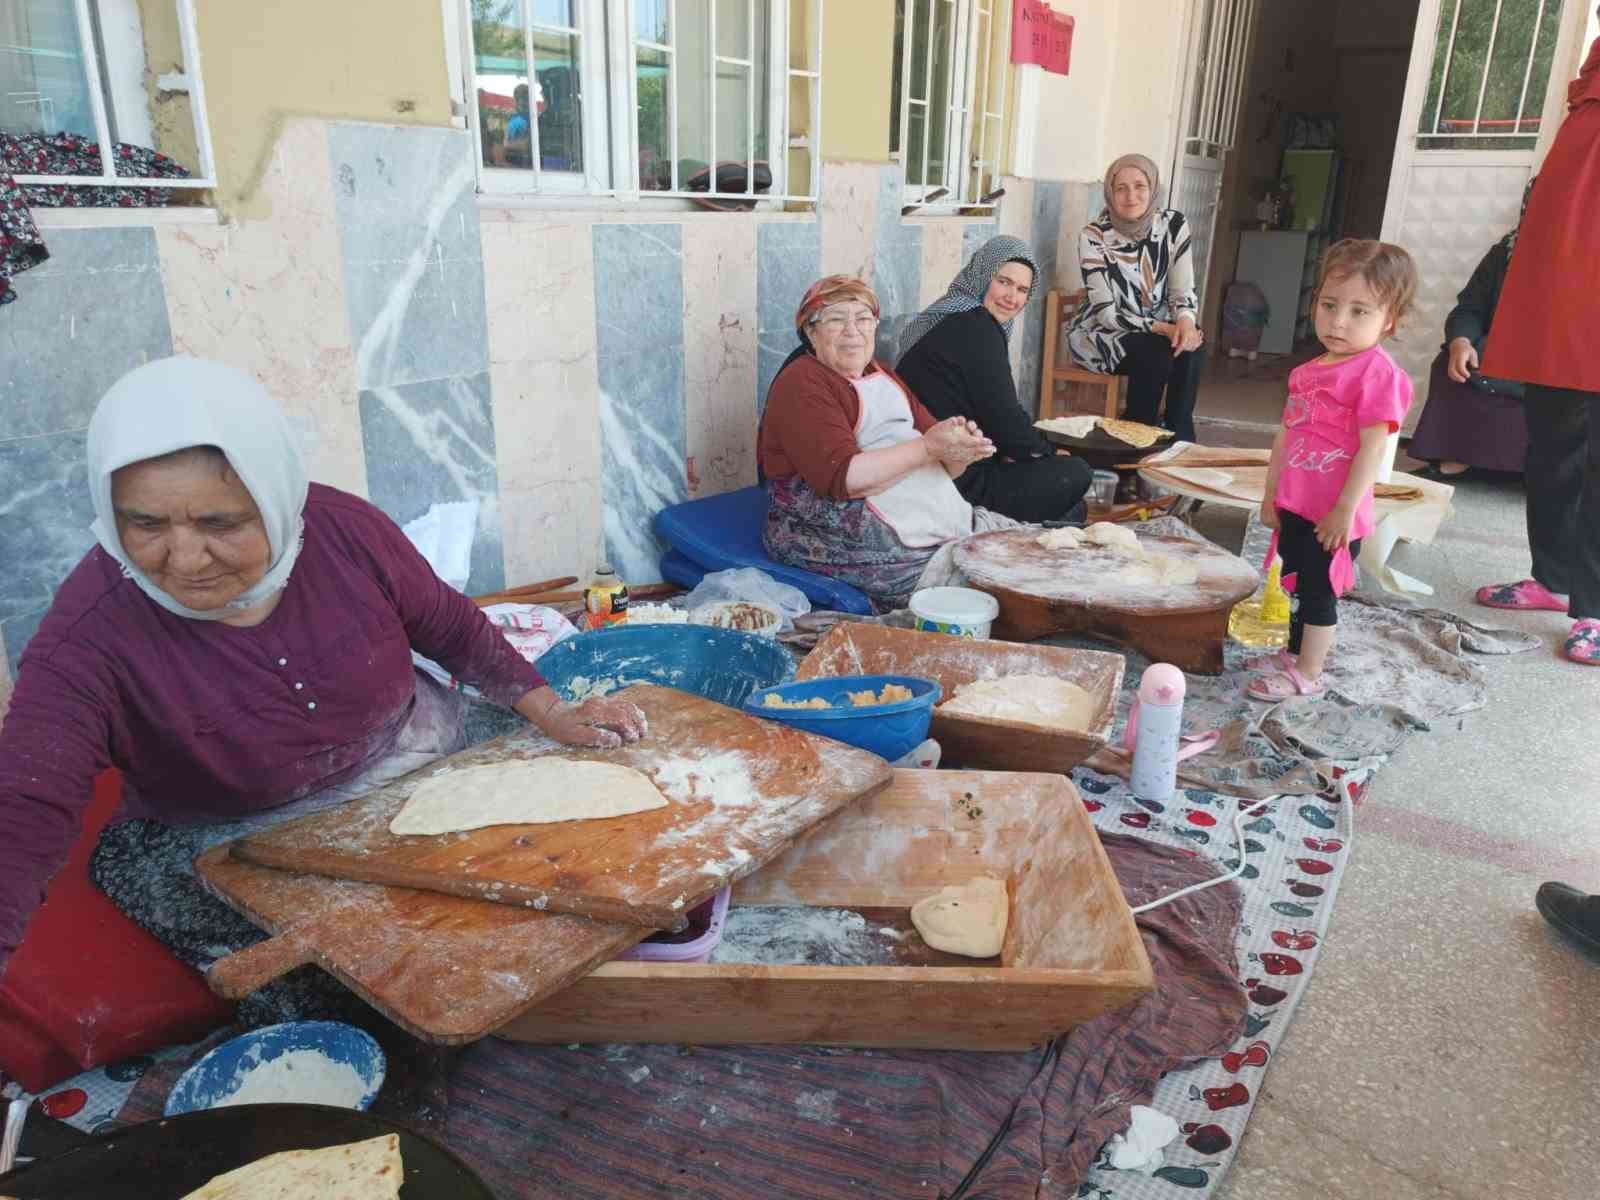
{"points": [[1032, 699], [525, 792], [968, 918], [369, 1170]]}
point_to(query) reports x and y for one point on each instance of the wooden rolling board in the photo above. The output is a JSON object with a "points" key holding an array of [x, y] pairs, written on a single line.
{"points": [[445, 969], [739, 789], [1042, 592], [854, 648]]}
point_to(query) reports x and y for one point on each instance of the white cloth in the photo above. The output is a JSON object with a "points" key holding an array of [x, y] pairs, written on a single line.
{"points": [[443, 535], [177, 403], [923, 508], [1141, 1147]]}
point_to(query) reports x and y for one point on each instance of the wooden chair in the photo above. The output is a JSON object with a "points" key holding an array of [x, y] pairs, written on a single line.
{"points": [[1080, 391]]}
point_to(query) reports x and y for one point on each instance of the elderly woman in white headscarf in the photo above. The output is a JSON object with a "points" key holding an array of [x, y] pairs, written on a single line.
{"points": [[955, 361], [1140, 317], [239, 646]]}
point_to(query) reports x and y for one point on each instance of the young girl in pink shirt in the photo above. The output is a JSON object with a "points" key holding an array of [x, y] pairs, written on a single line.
{"points": [[1342, 407]]}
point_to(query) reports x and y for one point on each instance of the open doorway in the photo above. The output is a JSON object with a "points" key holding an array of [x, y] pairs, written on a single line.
{"points": [[1325, 84]]}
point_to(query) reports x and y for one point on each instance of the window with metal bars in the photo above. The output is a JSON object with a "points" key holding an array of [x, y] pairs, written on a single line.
{"points": [[1220, 50], [1491, 66], [947, 103], [103, 93], [711, 100]]}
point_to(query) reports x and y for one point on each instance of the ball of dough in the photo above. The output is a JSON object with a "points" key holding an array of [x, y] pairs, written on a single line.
{"points": [[968, 919]]}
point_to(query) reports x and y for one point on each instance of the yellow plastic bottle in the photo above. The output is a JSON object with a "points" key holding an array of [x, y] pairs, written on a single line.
{"points": [[1263, 619], [605, 599]]}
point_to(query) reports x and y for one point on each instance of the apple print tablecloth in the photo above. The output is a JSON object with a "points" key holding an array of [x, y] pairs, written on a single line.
{"points": [[1295, 851]]}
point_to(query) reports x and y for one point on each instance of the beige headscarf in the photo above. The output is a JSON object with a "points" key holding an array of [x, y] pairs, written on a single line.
{"points": [[1140, 227]]}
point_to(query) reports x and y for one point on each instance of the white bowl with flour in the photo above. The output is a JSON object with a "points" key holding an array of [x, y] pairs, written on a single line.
{"points": [[301, 1062]]}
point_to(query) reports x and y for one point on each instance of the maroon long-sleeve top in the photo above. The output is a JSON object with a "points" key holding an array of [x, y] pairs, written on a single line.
{"points": [[210, 722]]}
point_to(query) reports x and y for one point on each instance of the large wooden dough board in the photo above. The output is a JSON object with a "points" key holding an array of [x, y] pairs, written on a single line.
{"points": [[1042, 592], [445, 969], [740, 789]]}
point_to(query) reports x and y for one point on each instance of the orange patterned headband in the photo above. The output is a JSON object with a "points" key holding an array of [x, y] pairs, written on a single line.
{"points": [[834, 289]]}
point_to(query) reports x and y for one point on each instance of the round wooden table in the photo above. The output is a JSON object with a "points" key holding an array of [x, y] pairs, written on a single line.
{"points": [[1043, 592]]}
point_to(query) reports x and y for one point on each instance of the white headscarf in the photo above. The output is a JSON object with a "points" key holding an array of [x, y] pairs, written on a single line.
{"points": [[176, 403]]}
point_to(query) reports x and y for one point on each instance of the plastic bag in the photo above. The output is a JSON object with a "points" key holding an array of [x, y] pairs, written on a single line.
{"points": [[754, 585]]}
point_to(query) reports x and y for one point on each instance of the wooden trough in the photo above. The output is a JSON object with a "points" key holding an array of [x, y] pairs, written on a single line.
{"points": [[1072, 950], [855, 648]]}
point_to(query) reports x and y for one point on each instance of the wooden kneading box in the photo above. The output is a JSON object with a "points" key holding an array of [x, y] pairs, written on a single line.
{"points": [[1072, 950]]}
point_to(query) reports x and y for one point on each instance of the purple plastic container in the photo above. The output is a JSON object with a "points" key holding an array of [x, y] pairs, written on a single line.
{"points": [[693, 944]]}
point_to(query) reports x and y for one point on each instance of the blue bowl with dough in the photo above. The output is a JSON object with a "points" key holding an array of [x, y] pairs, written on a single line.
{"points": [[334, 1059], [888, 730], [720, 664]]}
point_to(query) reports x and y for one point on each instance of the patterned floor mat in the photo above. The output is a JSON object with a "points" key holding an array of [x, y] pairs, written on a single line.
{"points": [[1295, 853]]}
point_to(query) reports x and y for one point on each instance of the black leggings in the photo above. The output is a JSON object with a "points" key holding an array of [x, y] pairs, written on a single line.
{"points": [[1040, 489], [1152, 371], [1303, 556], [1563, 483]]}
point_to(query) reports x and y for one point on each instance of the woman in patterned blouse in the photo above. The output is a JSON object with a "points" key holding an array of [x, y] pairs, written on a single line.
{"points": [[1140, 316]]}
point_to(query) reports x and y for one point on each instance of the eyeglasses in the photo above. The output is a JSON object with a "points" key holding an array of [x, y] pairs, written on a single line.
{"points": [[863, 322]]}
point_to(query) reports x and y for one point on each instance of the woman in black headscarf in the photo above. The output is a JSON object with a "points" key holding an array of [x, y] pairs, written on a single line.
{"points": [[956, 362]]}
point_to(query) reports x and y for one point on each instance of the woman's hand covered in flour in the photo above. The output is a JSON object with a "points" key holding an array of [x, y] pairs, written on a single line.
{"points": [[957, 440], [606, 724]]}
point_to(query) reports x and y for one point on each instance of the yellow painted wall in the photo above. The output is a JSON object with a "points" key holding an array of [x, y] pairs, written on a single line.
{"points": [[857, 65], [369, 60]]}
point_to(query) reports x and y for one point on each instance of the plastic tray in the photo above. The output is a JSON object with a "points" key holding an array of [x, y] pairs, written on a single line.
{"points": [[697, 949]]}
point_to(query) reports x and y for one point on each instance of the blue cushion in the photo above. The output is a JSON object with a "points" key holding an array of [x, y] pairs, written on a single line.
{"points": [[721, 532]]}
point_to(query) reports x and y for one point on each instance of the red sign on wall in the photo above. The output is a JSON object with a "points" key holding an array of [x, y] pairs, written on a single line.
{"points": [[1041, 35]]}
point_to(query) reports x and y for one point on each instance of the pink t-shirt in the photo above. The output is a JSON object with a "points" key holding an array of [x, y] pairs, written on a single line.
{"points": [[1328, 407]]}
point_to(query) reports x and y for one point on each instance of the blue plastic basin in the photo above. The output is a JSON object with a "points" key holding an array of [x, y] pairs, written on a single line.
{"points": [[720, 664], [218, 1075], [889, 730]]}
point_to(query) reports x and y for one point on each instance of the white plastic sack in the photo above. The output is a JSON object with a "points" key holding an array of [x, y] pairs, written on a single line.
{"points": [[754, 585]]}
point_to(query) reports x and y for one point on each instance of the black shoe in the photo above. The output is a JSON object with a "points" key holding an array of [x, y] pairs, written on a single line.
{"points": [[1574, 913]]}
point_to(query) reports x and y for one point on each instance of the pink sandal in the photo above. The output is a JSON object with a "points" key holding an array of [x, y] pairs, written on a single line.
{"points": [[1276, 661], [1286, 684], [1583, 643], [1526, 594]]}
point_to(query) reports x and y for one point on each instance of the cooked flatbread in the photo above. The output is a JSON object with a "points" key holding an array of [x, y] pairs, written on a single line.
{"points": [[369, 1170], [1136, 434]]}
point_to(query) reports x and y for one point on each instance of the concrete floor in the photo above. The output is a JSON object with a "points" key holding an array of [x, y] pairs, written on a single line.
{"points": [[1447, 1047]]}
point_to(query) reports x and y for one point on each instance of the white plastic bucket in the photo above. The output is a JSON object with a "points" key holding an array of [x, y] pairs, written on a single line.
{"points": [[963, 612]]}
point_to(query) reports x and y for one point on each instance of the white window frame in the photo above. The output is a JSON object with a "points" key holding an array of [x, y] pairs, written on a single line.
{"points": [[610, 126], [1473, 139], [192, 82], [974, 125]]}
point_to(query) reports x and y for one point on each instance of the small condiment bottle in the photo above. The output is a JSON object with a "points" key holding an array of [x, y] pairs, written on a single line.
{"points": [[605, 599]]}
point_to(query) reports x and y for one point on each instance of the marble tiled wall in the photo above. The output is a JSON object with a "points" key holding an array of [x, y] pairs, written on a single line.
{"points": [[92, 312], [412, 259], [1045, 239], [788, 261], [539, 280], [638, 314], [897, 265], [573, 372], [269, 296]]}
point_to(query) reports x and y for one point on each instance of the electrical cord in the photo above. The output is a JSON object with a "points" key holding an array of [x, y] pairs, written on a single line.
{"points": [[1238, 844]]}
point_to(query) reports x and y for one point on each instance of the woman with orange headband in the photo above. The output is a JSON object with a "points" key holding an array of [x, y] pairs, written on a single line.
{"points": [[859, 474]]}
